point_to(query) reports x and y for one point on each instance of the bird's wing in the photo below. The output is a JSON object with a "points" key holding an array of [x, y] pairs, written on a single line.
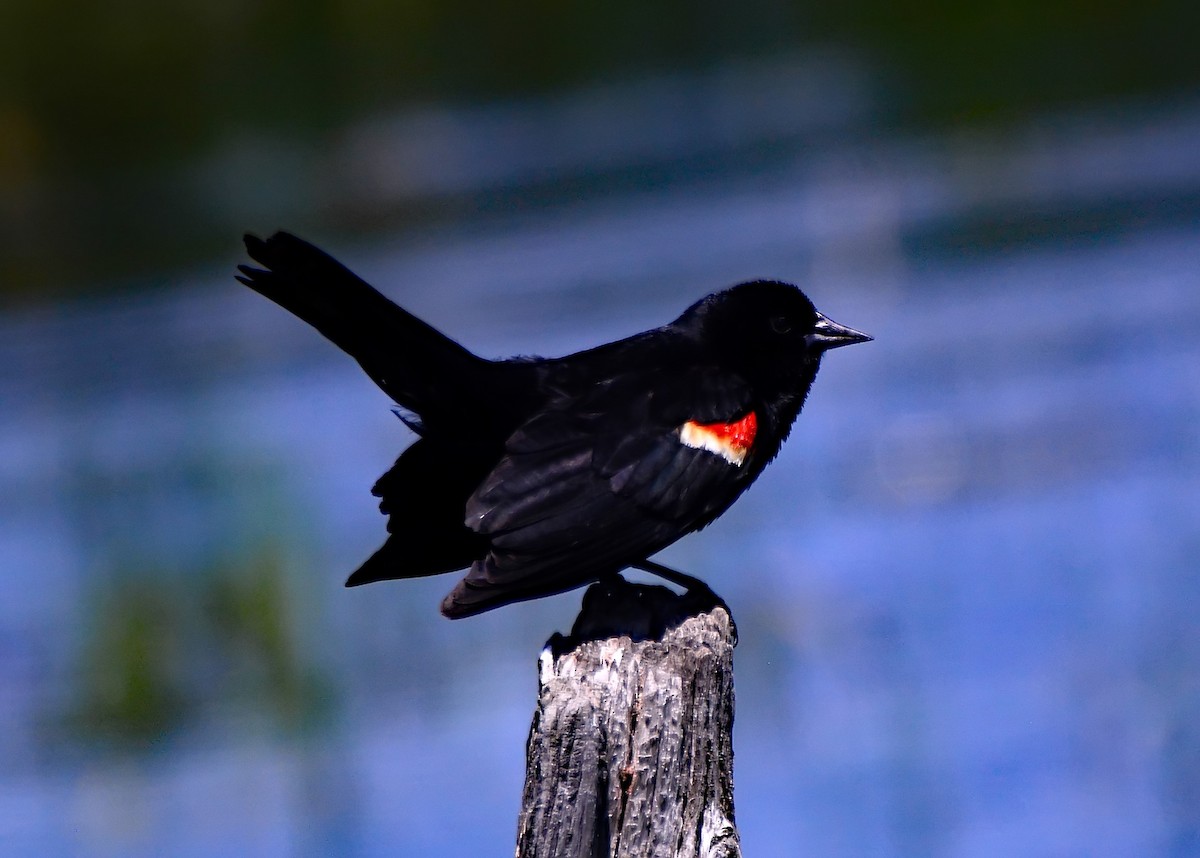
{"points": [[598, 481]]}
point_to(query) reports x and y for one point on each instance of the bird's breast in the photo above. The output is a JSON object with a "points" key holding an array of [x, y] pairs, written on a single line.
{"points": [[730, 441]]}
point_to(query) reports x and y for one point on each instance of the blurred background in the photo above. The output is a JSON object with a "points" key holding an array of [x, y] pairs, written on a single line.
{"points": [[967, 591]]}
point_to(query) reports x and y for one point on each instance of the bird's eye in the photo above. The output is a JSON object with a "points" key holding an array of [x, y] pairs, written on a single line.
{"points": [[781, 324]]}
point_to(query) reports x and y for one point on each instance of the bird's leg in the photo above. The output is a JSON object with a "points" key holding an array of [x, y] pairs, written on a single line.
{"points": [[693, 585], [680, 579], [696, 589]]}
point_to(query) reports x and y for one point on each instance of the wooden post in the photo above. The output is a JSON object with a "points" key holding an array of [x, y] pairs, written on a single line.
{"points": [[630, 753]]}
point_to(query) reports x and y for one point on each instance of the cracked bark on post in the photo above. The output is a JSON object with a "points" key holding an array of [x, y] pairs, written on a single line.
{"points": [[630, 754]]}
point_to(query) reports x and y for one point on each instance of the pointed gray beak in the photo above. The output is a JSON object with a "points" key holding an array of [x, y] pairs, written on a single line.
{"points": [[828, 334]]}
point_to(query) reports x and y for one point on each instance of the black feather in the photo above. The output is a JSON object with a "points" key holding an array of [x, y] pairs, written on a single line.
{"points": [[543, 474]]}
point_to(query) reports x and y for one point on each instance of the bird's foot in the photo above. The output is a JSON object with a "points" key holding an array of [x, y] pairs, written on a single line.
{"points": [[613, 606], [697, 591]]}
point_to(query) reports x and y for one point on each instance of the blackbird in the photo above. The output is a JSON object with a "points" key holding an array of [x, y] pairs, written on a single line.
{"points": [[539, 475]]}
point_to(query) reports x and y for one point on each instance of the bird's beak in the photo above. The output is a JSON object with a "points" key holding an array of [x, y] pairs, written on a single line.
{"points": [[828, 334]]}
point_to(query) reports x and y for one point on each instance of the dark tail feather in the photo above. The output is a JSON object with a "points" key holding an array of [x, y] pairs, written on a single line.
{"points": [[385, 564], [423, 502], [402, 557], [411, 361], [477, 593]]}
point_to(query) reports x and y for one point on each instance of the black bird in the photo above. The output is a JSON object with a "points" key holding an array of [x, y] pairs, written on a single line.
{"points": [[544, 474]]}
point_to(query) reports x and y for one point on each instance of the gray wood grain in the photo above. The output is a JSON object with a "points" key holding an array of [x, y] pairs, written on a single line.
{"points": [[631, 750]]}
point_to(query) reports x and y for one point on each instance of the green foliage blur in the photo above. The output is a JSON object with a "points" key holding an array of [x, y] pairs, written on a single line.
{"points": [[951, 61], [103, 106], [160, 653], [89, 85]]}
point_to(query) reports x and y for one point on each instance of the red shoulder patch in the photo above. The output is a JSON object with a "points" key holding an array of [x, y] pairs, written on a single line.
{"points": [[732, 441]]}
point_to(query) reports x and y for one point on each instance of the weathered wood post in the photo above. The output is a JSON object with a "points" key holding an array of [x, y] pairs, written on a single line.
{"points": [[630, 753]]}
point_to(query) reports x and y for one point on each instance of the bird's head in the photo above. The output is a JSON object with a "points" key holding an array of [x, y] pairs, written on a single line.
{"points": [[769, 332]]}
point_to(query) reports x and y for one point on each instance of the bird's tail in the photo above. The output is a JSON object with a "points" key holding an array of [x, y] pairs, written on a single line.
{"points": [[421, 369]]}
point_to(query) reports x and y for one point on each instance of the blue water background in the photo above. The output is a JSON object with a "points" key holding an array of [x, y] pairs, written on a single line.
{"points": [[967, 591]]}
